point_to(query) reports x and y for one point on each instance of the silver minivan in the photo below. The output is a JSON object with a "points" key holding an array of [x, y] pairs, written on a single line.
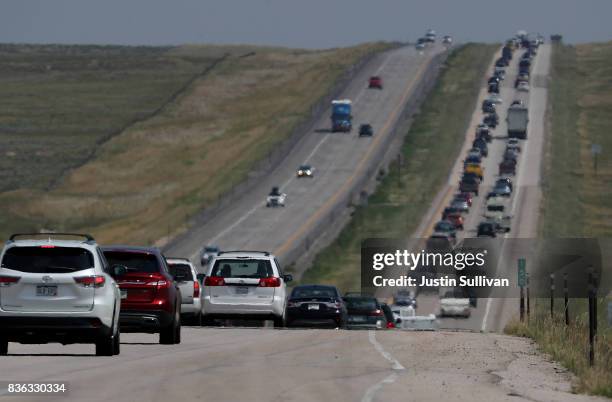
{"points": [[245, 285], [185, 275]]}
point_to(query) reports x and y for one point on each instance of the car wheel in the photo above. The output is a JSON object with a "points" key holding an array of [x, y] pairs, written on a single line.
{"points": [[168, 335], [279, 322], [3, 346], [105, 345]]}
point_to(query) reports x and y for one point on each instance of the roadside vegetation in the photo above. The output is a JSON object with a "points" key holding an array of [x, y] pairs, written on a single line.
{"points": [[130, 142], [577, 202], [428, 152]]}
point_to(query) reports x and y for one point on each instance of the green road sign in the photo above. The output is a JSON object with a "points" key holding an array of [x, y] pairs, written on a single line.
{"points": [[522, 272]]}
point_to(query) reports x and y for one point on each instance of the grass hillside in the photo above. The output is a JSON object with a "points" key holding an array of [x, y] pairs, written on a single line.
{"points": [[577, 202], [130, 142]]}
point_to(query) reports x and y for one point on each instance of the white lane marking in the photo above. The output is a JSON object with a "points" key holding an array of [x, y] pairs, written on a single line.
{"points": [[520, 175], [369, 395], [390, 379], [219, 235]]}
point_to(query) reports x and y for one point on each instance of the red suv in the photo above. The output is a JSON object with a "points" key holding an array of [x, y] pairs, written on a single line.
{"points": [[150, 297], [376, 82]]}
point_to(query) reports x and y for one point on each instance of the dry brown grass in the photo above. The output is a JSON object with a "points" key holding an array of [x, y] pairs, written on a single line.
{"points": [[148, 181]]}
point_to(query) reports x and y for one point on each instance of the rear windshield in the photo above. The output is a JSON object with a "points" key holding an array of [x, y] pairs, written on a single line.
{"points": [[359, 303], [55, 260], [134, 262], [307, 292], [238, 268], [183, 269]]}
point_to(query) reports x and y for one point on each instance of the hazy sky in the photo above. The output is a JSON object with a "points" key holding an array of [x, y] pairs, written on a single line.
{"points": [[305, 23]]}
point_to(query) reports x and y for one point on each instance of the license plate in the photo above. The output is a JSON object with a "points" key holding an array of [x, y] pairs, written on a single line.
{"points": [[44, 290], [124, 293], [357, 319], [313, 307], [242, 290]]}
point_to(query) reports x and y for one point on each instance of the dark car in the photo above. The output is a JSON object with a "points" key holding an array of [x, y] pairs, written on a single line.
{"points": [[494, 79], [491, 120], [472, 159], [364, 312], [465, 196], [488, 106], [310, 305], [482, 131], [493, 88], [486, 229], [375, 82], [151, 299], [449, 210], [389, 318], [456, 219], [502, 62], [366, 130], [482, 145], [507, 167], [445, 226], [469, 185], [505, 180]]}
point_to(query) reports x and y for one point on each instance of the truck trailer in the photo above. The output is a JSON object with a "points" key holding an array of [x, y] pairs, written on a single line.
{"points": [[517, 119], [341, 117]]}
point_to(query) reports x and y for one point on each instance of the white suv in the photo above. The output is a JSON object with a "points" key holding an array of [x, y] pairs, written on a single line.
{"points": [[245, 285], [55, 288], [185, 275]]}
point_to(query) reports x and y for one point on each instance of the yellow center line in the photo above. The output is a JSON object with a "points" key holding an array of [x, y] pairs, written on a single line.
{"points": [[347, 184]]}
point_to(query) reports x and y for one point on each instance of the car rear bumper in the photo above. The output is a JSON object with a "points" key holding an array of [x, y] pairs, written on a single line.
{"points": [[194, 308], [37, 329], [314, 318], [460, 311], [149, 321], [230, 310]]}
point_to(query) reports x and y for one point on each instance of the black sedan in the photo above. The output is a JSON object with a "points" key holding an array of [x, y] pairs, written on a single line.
{"points": [[366, 130], [316, 305], [364, 312]]}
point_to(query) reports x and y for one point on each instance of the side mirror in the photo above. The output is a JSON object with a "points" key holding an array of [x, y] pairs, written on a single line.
{"points": [[288, 278], [118, 270]]}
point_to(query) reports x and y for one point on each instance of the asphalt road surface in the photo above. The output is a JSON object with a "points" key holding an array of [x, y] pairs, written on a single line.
{"points": [[242, 364], [492, 314], [338, 160]]}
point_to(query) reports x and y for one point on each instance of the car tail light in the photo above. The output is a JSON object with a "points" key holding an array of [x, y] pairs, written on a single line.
{"points": [[94, 281], [292, 304], [196, 289], [6, 281], [159, 284], [337, 304], [378, 312], [47, 246], [390, 325], [214, 281], [272, 282]]}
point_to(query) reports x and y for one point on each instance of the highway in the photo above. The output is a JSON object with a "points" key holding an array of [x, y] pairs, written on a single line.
{"points": [[339, 160], [492, 314], [262, 364]]}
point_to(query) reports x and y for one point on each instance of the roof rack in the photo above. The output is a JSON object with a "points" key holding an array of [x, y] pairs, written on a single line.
{"points": [[177, 258], [266, 253], [88, 238]]}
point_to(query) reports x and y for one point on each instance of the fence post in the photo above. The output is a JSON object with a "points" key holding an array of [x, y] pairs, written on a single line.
{"points": [[566, 298], [528, 304], [522, 305], [552, 296], [592, 319]]}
